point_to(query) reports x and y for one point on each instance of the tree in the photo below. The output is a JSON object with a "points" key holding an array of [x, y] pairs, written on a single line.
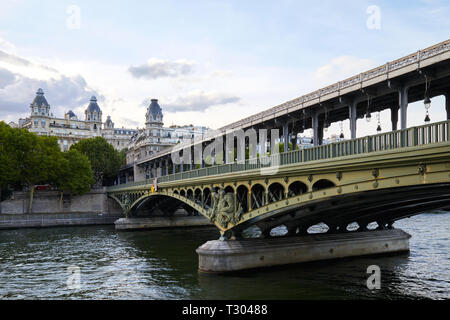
{"points": [[123, 156], [281, 147], [29, 159], [105, 160], [8, 168], [77, 176]]}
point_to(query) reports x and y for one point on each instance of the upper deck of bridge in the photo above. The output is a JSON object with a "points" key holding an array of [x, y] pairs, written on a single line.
{"points": [[371, 83]]}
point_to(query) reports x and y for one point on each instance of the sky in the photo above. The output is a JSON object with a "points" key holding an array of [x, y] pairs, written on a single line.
{"points": [[208, 62]]}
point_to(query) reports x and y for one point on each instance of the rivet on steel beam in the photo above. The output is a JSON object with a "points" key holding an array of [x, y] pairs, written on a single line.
{"points": [[422, 169], [375, 173]]}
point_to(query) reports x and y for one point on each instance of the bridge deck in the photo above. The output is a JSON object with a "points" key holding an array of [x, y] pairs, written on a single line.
{"points": [[430, 134]]}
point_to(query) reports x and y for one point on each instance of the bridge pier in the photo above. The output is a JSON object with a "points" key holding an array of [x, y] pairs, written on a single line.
{"points": [[233, 255]]}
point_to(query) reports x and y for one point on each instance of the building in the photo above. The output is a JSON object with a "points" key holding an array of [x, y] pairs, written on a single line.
{"points": [[154, 137], [69, 130], [139, 143], [177, 134]]}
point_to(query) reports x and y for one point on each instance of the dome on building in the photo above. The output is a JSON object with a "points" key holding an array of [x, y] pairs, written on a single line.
{"points": [[154, 107], [109, 124], [154, 112], [93, 106], [71, 115], [93, 112], [40, 100]]}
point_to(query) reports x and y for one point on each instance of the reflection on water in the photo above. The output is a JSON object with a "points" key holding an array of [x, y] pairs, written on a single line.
{"points": [[162, 264]]}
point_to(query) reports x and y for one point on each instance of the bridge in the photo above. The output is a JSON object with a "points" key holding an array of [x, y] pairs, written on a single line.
{"points": [[357, 184]]}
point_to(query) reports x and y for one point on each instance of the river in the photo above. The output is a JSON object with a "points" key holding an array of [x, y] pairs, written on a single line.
{"points": [[162, 264]]}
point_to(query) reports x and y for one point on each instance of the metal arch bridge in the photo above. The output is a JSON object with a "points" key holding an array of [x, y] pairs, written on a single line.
{"points": [[380, 178]]}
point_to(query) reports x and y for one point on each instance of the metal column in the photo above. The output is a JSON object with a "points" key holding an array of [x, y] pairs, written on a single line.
{"points": [[403, 102], [352, 117]]}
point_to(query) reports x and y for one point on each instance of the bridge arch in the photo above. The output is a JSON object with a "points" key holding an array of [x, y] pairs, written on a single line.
{"points": [[198, 195], [176, 200], [242, 198], [190, 194], [258, 196], [275, 192], [207, 201], [182, 193], [322, 184], [229, 188], [297, 188]]}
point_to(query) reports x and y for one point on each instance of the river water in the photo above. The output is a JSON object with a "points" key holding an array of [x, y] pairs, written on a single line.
{"points": [[162, 264]]}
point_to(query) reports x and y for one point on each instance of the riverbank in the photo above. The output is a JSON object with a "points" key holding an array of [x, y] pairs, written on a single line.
{"points": [[8, 221], [50, 210], [47, 202]]}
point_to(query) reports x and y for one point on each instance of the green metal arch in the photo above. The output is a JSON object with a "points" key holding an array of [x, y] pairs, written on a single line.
{"points": [[185, 200]]}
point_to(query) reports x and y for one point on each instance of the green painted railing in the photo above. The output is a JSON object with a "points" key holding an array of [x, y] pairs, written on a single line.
{"points": [[414, 136]]}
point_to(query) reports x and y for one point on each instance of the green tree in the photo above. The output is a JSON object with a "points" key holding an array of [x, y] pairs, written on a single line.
{"points": [[123, 156], [77, 176], [281, 147], [8, 168], [105, 160], [30, 159]]}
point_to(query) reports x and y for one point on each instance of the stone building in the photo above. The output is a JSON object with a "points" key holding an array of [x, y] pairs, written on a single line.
{"points": [[154, 137], [140, 143], [69, 130]]}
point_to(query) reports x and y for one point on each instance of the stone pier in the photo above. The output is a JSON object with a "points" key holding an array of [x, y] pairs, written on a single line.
{"points": [[224, 256], [161, 222]]}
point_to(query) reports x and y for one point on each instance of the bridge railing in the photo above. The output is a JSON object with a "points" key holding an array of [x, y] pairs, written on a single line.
{"points": [[410, 137]]}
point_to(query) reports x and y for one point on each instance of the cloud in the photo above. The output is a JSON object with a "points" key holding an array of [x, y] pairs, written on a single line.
{"points": [[6, 46], [17, 90], [199, 101], [156, 68], [6, 78], [341, 68], [12, 59]]}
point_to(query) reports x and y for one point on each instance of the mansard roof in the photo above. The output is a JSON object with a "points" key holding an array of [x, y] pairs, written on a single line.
{"points": [[154, 108], [93, 106], [40, 100]]}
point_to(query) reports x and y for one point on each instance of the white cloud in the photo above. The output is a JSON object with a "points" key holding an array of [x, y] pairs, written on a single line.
{"points": [[7, 46], [200, 101], [20, 78], [157, 68], [341, 68]]}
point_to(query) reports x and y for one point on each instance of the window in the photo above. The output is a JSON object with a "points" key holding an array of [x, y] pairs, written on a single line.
{"points": [[36, 123], [43, 123]]}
